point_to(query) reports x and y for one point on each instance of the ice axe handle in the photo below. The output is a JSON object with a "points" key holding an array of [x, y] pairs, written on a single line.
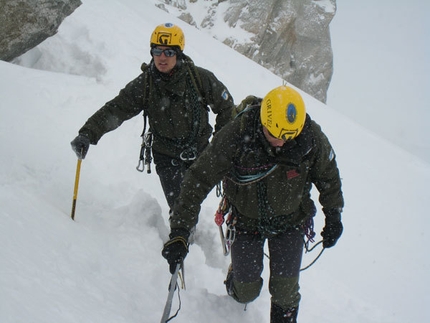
{"points": [[75, 191]]}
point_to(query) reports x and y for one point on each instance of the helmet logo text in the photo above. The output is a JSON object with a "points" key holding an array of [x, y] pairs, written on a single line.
{"points": [[269, 112]]}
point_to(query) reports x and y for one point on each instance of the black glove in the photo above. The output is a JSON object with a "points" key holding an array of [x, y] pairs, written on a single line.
{"points": [[80, 146], [333, 228], [175, 250], [247, 102]]}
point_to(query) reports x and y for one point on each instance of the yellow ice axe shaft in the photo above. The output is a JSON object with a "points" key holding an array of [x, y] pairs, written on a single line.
{"points": [[75, 191]]}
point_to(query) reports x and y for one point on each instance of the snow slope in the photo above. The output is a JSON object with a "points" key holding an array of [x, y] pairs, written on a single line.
{"points": [[106, 266], [382, 69]]}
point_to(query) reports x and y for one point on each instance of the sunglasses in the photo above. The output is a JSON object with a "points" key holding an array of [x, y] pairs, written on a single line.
{"points": [[167, 52]]}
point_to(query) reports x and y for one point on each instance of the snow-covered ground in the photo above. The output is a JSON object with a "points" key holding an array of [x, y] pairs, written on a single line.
{"points": [[106, 266]]}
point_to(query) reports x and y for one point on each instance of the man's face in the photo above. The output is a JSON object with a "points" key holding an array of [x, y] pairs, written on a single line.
{"points": [[163, 63], [273, 141]]}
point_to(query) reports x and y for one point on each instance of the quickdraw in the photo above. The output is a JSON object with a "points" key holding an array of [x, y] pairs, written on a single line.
{"points": [[145, 156], [227, 240]]}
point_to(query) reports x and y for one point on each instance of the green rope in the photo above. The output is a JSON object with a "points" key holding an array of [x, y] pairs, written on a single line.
{"points": [[307, 250]]}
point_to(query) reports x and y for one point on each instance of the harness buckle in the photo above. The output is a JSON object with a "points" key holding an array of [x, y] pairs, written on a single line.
{"points": [[188, 154]]}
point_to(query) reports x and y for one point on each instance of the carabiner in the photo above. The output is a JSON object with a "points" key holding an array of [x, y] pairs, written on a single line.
{"points": [[230, 235], [140, 166]]}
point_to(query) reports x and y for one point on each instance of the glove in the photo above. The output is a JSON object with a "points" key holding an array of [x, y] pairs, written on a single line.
{"points": [[333, 228], [176, 249], [80, 146]]}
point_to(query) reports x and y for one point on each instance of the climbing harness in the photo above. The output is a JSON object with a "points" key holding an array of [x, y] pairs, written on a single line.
{"points": [[196, 100]]}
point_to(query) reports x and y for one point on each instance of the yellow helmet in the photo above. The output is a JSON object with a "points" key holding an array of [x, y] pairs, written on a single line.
{"points": [[168, 34], [283, 112]]}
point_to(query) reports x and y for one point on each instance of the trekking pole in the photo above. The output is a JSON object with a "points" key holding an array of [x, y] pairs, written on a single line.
{"points": [[75, 191], [172, 287]]}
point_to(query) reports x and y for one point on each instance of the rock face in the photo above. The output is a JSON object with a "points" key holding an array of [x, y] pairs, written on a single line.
{"points": [[26, 23], [289, 37]]}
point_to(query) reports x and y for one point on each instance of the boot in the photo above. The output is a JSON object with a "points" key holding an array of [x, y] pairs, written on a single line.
{"points": [[279, 315]]}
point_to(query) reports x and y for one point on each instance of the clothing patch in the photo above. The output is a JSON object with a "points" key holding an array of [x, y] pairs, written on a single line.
{"points": [[225, 95], [292, 173]]}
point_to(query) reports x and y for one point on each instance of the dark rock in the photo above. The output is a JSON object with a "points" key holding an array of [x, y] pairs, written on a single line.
{"points": [[26, 23]]}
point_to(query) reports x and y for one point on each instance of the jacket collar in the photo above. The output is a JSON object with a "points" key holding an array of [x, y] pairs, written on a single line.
{"points": [[293, 151], [174, 82]]}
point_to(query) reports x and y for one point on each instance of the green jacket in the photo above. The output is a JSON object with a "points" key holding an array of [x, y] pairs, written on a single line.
{"points": [[176, 106], [268, 187]]}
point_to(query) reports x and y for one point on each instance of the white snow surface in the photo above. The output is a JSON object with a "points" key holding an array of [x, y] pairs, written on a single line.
{"points": [[106, 266]]}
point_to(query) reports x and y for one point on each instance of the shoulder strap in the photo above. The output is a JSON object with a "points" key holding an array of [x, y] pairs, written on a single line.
{"points": [[146, 89]]}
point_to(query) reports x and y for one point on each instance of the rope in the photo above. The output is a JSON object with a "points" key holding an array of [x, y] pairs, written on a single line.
{"points": [[319, 255], [251, 179], [307, 250], [179, 306]]}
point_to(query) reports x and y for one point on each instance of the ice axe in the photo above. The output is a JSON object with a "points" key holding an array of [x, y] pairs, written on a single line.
{"points": [[75, 191], [172, 287]]}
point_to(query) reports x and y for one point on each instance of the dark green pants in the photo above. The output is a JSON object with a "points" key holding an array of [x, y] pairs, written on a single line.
{"points": [[285, 252], [171, 173]]}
